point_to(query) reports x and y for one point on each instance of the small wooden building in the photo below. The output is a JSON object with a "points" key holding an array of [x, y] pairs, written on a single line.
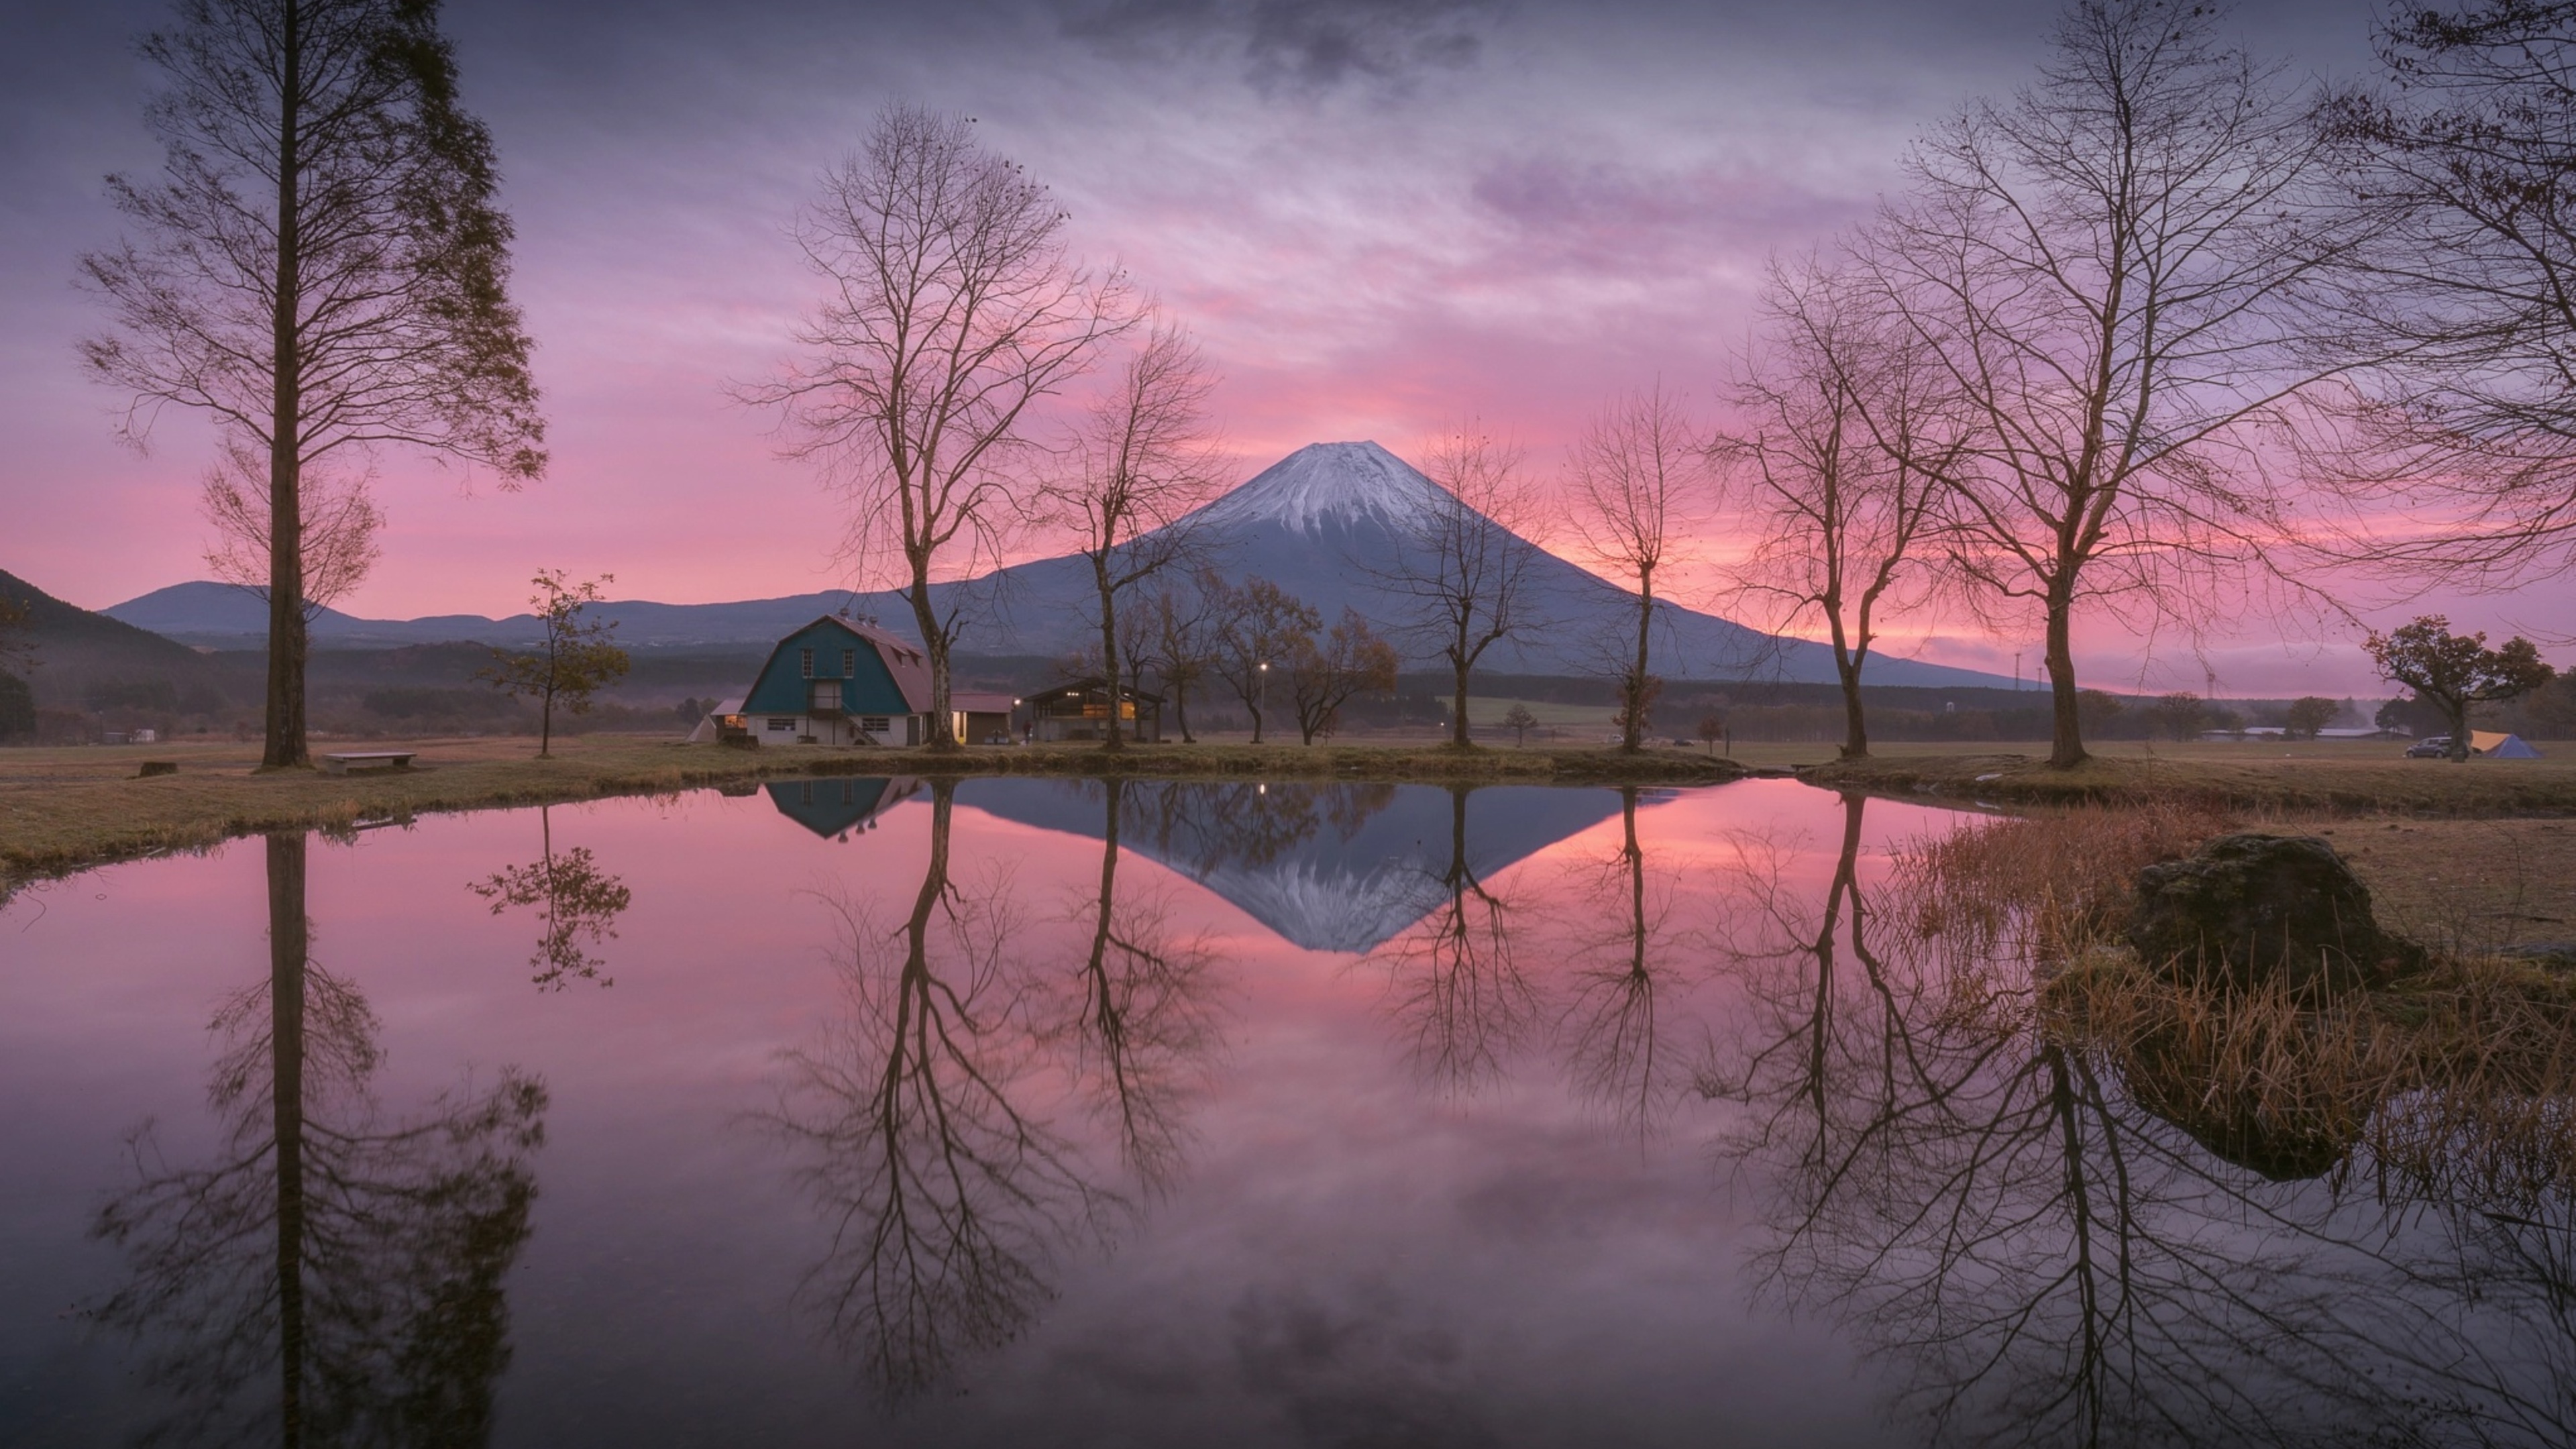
{"points": [[1080, 710]]}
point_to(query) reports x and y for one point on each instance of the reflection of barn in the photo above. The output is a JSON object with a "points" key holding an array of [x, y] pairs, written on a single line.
{"points": [[1080, 711], [835, 682], [835, 807]]}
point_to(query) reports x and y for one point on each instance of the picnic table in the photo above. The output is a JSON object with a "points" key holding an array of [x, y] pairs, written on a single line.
{"points": [[347, 760]]}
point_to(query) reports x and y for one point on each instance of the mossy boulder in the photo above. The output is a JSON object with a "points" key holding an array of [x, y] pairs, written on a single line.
{"points": [[2248, 910]]}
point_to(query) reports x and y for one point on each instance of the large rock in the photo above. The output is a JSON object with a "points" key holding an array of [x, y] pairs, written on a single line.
{"points": [[2250, 909]]}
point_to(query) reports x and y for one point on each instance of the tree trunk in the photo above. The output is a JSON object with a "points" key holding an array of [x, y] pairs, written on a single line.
{"points": [[1181, 708], [285, 747], [942, 739], [2459, 713], [2067, 747], [1634, 735], [288, 948], [1458, 717], [1110, 740], [1855, 723]]}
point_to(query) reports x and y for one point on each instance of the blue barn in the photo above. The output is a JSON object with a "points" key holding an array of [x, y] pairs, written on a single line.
{"points": [[837, 682]]}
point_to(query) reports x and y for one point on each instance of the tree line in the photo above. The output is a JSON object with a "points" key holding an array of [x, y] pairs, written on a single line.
{"points": [[2157, 335]]}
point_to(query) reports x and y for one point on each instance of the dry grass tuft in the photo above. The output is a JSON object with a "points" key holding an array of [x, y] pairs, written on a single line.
{"points": [[2457, 1081]]}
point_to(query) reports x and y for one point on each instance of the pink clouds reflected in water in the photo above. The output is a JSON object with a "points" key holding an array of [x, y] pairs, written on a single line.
{"points": [[1513, 1249]]}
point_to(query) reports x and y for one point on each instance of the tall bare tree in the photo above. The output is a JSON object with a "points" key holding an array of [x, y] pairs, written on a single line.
{"points": [[2464, 165], [1634, 472], [1836, 470], [1462, 576], [2112, 270], [950, 307], [320, 268], [1140, 464], [1184, 639]]}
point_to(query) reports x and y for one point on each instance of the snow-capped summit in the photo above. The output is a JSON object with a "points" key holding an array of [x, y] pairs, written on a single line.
{"points": [[1339, 482]]}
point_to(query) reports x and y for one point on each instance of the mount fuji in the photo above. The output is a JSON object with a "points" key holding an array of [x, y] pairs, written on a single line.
{"points": [[1327, 522]]}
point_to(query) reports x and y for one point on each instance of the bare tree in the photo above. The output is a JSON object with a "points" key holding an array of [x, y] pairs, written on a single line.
{"points": [[1835, 474], [2464, 168], [574, 660], [2111, 271], [1634, 470], [1259, 627], [337, 517], [1462, 576], [1182, 639], [1325, 674], [1140, 464], [950, 308], [320, 268]]}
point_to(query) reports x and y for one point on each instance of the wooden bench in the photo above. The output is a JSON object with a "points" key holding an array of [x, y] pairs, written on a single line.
{"points": [[343, 763]]}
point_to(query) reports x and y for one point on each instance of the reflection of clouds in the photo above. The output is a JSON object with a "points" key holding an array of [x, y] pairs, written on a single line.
{"points": [[1357, 1372]]}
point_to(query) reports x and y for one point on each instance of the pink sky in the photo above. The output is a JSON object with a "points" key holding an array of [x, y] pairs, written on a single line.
{"points": [[1380, 215]]}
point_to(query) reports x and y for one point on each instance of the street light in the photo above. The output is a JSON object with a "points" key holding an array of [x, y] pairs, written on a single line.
{"points": [[1263, 695]]}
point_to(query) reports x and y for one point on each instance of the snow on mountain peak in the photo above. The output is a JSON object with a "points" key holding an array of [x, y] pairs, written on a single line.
{"points": [[1329, 481]]}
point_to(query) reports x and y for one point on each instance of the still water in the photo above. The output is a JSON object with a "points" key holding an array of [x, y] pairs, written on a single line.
{"points": [[1035, 1112]]}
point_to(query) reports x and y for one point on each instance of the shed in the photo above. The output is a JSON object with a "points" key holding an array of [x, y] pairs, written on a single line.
{"points": [[727, 715], [1080, 709], [985, 718]]}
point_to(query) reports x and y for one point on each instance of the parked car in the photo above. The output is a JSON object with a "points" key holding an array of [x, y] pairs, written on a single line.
{"points": [[2431, 747]]}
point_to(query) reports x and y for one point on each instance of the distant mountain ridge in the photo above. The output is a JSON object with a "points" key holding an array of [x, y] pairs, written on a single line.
{"points": [[1326, 523]]}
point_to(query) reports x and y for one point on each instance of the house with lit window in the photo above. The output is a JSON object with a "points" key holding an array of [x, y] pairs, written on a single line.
{"points": [[840, 682], [1080, 710]]}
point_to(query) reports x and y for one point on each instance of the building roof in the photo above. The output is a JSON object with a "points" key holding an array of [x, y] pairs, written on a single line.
{"points": [[976, 701], [904, 663]]}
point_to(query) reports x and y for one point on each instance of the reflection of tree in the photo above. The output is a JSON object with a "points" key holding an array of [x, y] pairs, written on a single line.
{"points": [[331, 1278], [1977, 1196], [577, 907], [1456, 982], [948, 1196], [1144, 1026], [1620, 964]]}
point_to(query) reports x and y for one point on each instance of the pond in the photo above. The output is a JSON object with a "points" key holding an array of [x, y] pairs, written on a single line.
{"points": [[1026, 1111]]}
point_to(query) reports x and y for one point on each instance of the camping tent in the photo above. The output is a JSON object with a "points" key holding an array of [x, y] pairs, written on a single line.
{"points": [[2501, 747], [705, 733]]}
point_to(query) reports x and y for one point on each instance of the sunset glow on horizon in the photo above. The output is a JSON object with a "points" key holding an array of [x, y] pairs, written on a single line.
{"points": [[1379, 218]]}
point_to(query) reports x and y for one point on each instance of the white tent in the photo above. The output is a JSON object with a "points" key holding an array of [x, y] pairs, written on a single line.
{"points": [[705, 733]]}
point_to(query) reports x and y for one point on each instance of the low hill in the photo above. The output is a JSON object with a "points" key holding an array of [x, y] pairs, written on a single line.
{"points": [[77, 650]]}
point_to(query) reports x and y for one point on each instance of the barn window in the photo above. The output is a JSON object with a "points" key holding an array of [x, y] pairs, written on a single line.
{"points": [[874, 724], [849, 664], [782, 726], [806, 657], [827, 696]]}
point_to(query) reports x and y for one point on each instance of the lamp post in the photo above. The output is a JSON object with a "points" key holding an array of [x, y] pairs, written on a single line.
{"points": [[1262, 709]]}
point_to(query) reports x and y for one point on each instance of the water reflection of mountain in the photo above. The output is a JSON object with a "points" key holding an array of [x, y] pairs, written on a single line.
{"points": [[829, 807], [1340, 867]]}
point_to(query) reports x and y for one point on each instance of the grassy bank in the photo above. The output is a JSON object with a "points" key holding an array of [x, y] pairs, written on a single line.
{"points": [[61, 809], [2339, 777]]}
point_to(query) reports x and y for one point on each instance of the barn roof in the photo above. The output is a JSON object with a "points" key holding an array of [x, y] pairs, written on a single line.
{"points": [[904, 662]]}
